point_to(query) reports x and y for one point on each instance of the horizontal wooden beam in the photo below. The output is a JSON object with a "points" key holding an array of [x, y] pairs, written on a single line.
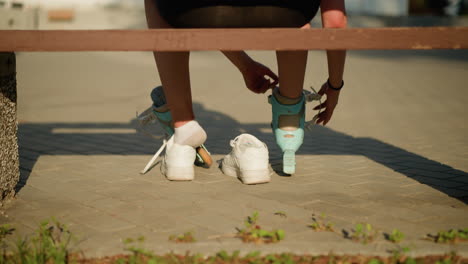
{"points": [[235, 39]]}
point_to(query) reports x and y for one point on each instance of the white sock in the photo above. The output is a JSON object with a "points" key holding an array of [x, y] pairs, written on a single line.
{"points": [[191, 134]]}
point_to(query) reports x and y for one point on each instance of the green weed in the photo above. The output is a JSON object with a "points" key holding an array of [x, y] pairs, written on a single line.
{"points": [[255, 234], [375, 261], [363, 233], [284, 258], [398, 256], [449, 259], [138, 253], [451, 236], [50, 244], [224, 256], [186, 237], [396, 236], [444, 261], [319, 224], [5, 230]]}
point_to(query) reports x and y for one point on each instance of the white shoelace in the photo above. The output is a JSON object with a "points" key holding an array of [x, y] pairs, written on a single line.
{"points": [[150, 163], [233, 141]]}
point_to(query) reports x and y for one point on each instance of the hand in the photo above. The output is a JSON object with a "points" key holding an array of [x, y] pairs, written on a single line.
{"points": [[256, 77], [329, 104]]}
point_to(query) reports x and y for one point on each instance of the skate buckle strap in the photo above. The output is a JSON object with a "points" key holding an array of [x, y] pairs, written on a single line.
{"points": [[146, 117], [309, 97], [165, 121]]}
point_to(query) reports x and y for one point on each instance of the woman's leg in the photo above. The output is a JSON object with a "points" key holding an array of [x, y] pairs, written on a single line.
{"points": [[291, 71], [173, 68], [288, 106]]}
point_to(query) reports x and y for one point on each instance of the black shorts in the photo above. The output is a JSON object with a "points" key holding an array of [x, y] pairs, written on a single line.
{"points": [[237, 13]]}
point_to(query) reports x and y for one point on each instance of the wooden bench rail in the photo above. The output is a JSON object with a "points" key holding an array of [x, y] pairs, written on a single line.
{"points": [[235, 39]]}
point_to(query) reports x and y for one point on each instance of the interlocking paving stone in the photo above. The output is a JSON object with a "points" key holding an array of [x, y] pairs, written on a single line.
{"points": [[351, 214]]}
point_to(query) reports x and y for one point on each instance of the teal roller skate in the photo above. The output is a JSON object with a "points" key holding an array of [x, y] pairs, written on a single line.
{"points": [[160, 112], [291, 141]]}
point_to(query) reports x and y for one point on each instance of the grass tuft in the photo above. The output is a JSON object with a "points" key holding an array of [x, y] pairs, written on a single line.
{"points": [[253, 233], [320, 224]]}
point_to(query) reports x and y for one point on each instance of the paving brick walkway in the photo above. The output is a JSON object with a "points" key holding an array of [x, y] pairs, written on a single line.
{"points": [[395, 155]]}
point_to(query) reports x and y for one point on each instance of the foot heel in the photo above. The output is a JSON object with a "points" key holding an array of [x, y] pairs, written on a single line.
{"points": [[180, 173], [289, 162], [255, 176]]}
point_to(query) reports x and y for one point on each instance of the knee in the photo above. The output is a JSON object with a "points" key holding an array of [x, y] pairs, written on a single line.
{"points": [[335, 19]]}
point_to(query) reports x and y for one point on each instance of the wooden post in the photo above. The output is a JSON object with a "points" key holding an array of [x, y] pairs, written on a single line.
{"points": [[9, 158]]}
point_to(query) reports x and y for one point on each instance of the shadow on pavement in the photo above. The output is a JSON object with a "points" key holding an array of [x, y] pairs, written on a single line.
{"points": [[121, 139]]}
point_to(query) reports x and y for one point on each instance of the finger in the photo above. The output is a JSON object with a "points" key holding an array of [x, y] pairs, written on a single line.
{"points": [[321, 118], [274, 83], [328, 118], [270, 73], [265, 86], [259, 86], [271, 78], [322, 114], [254, 86], [320, 106]]}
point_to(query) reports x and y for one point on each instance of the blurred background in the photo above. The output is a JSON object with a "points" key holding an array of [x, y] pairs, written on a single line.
{"points": [[129, 14]]}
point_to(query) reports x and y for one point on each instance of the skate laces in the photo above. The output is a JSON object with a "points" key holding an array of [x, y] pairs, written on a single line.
{"points": [[150, 163], [144, 119], [310, 97]]}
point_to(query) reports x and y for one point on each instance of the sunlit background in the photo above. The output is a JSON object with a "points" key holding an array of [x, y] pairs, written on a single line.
{"points": [[129, 14]]}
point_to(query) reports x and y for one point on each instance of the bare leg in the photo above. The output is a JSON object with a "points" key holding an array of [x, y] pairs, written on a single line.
{"points": [[291, 71], [173, 68]]}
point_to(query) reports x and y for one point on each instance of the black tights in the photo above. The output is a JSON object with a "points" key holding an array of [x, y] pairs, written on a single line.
{"points": [[237, 13]]}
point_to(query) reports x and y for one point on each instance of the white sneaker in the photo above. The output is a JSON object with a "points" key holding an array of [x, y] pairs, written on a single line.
{"points": [[248, 160], [177, 164]]}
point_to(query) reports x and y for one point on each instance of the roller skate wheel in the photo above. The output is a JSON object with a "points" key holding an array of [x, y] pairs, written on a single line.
{"points": [[289, 162], [205, 156]]}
